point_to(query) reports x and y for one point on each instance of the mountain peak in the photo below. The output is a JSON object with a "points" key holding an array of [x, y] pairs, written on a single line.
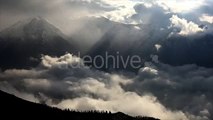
{"points": [[35, 27], [30, 38], [37, 19]]}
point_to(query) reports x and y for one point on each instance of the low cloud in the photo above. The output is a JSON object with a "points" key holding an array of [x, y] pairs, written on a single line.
{"points": [[57, 83], [158, 92], [173, 86]]}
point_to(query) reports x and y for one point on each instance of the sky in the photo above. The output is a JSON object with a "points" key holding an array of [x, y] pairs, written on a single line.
{"points": [[159, 89], [62, 12]]}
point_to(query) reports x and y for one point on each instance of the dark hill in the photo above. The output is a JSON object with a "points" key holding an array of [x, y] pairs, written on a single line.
{"points": [[13, 107]]}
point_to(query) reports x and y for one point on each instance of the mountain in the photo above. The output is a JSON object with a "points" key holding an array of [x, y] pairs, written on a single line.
{"points": [[128, 40], [11, 106], [94, 30], [23, 43], [91, 30], [32, 28], [181, 50], [140, 40]]}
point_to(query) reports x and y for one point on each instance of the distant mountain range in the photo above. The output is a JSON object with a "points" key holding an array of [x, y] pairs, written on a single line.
{"points": [[23, 43], [141, 40], [13, 107]]}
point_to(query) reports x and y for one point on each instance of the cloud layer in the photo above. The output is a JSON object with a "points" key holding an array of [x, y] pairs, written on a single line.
{"points": [[161, 92]]}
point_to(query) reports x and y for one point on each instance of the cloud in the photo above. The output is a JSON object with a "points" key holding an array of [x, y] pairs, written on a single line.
{"points": [[63, 61], [181, 6], [49, 6], [174, 85], [57, 82], [159, 91], [43, 83], [90, 5], [148, 14], [60, 12], [149, 104], [157, 46], [123, 12], [206, 18], [186, 28]]}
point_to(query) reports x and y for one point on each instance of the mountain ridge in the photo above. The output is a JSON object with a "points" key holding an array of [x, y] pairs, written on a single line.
{"points": [[15, 106]]}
